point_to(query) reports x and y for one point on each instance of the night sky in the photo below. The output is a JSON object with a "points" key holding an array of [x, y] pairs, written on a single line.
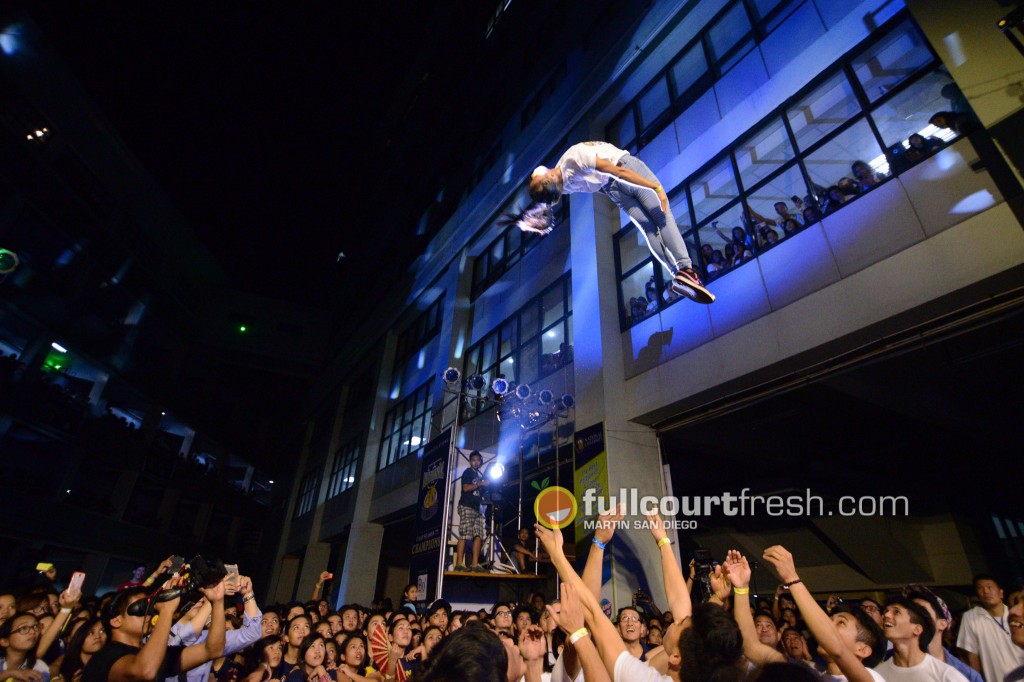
{"points": [[286, 132]]}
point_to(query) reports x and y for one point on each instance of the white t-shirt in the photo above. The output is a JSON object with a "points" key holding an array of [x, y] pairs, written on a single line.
{"points": [[825, 677], [629, 669], [579, 162], [930, 669], [989, 638], [558, 673]]}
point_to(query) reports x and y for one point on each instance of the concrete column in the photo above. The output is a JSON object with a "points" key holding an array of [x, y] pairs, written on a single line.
{"points": [[96, 393], [318, 554], [633, 458], [285, 570], [362, 555]]}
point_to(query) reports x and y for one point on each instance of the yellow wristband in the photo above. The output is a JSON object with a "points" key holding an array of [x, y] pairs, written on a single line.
{"points": [[147, 582], [664, 541], [578, 635], [659, 188], [741, 590]]}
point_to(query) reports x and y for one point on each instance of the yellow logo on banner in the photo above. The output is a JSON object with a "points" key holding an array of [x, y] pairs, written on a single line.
{"points": [[555, 507]]}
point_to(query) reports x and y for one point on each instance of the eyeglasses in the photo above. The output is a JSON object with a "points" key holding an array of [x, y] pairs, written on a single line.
{"points": [[26, 629], [502, 613], [630, 619]]}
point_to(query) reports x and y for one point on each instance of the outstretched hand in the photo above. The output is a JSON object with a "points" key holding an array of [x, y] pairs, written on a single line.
{"points": [[737, 568], [656, 526], [720, 584], [551, 539], [779, 557], [608, 522]]}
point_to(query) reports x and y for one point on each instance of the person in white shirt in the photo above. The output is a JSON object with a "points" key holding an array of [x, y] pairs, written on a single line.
{"points": [[1016, 623], [985, 633], [602, 167], [910, 629], [850, 641]]}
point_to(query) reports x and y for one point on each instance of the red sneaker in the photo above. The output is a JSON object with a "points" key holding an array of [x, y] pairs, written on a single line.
{"points": [[687, 283]]}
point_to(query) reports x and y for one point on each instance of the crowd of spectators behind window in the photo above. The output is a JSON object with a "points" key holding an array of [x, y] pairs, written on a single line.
{"points": [[755, 233], [48, 635]]}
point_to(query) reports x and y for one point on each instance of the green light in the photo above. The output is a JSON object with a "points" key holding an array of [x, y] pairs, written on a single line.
{"points": [[242, 329], [56, 366]]}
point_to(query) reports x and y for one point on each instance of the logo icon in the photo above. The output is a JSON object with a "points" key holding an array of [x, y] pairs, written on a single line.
{"points": [[555, 507]]}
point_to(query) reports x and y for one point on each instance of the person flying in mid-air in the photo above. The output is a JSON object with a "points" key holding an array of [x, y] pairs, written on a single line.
{"points": [[626, 180]]}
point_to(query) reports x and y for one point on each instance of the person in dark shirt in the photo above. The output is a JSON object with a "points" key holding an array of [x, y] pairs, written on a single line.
{"points": [[125, 658], [471, 521]]}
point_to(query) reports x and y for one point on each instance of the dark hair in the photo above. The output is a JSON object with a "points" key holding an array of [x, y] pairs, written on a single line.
{"points": [[72, 661], [783, 672], [918, 616], [8, 627], [712, 647], [471, 654], [308, 642], [764, 613], [476, 453], [546, 190], [528, 610], [343, 644], [119, 604], [947, 116], [618, 616], [868, 632], [254, 653], [983, 576], [409, 587]]}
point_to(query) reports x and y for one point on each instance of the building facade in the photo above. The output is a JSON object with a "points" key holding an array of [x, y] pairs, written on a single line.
{"points": [[831, 214]]}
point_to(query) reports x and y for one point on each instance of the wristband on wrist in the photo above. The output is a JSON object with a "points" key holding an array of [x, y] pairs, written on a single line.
{"points": [[602, 545], [65, 609], [664, 541], [249, 597], [148, 581], [659, 188], [578, 635], [794, 582], [741, 590]]}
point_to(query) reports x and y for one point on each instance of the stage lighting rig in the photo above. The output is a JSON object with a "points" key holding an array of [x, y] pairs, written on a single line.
{"points": [[523, 391], [8, 261], [476, 382], [451, 376], [500, 386], [546, 397], [495, 471]]}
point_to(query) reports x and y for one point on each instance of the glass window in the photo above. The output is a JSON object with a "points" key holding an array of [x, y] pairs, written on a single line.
{"points": [[343, 469], [622, 130], [834, 161], [713, 189], [551, 304], [721, 243], [889, 61], [729, 31], [680, 208], [773, 202], [828, 106], [688, 68], [654, 102], [632, 248], [763, 152], [765, 7], [907, 114], [529, 362], [639, 294], [497, 251]]}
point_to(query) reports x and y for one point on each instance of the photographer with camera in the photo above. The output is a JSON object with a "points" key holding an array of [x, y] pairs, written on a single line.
{"points": [[125, 658], [234, 640]]}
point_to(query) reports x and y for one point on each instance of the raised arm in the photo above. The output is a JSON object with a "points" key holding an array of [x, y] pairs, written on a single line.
{"points": [[146, 663], [571, 621], [197, 654], [675, 584], [739, 574], [603, 534], [821, 626], [67, 599], [606, 637], [324, 577]]}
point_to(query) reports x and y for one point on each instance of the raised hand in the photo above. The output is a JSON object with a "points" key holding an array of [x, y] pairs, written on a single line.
{"points": [[531, 643], [324, 577], [571, 618], [657, 527], [607, 523], [551, 539], [737, 568], [244, 584], [720, 585], [215, 593], [779, 557]]}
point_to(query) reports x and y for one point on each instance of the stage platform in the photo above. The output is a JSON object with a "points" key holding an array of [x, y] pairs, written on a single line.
{"points": [[492, 576]]}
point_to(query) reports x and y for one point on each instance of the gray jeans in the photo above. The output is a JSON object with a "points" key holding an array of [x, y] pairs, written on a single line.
{"points": [[644, 209]]}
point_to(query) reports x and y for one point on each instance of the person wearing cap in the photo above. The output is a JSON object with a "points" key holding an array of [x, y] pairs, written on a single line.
{"points": [[124, 658], [939, 612]]}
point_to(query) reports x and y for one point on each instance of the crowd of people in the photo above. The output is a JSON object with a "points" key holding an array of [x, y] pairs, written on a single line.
{"points": [[728, 635], [729, 248]]}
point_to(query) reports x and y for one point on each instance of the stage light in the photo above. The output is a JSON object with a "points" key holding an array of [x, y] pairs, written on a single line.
{"points": [[568, 400], [8, 261], [500, 386], [59, 348], [476, 382], [546, 397], [242, 329], [523, 391], [495, 471], [451, 376]]}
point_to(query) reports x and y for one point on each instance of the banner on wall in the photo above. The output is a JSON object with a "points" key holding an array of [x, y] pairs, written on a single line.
{"points": [[428, 533], [591, 472]]}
